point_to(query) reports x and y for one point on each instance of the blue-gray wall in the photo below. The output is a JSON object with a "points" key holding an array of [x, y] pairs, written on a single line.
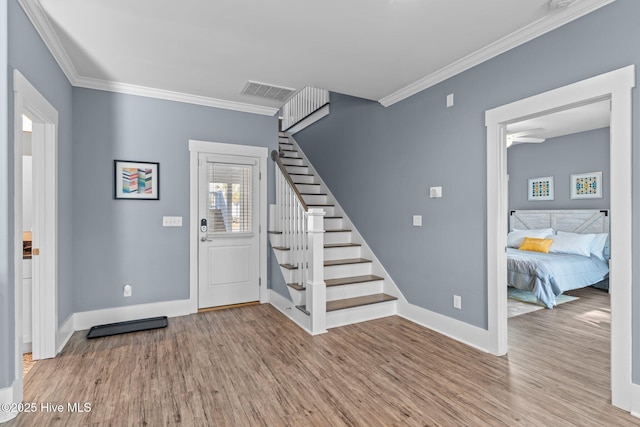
{"points": [[27, 53], [559, 157], [379, 162], [123, 241]]}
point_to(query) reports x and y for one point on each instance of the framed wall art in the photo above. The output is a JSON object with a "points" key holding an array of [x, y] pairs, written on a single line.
{"points": [[586, 185], [540, 188], [136, 180]]}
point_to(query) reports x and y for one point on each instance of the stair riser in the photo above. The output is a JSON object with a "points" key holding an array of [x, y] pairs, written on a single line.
{"points": [[297, 169], [302, 179], [308, 188], [298, 297], [361, 314], [332, 223], [354, 290], [313, 199], [341, 237], [342, 253], [328, 210], [338, 271], [290, 151], [290, 276], [291, 162]]}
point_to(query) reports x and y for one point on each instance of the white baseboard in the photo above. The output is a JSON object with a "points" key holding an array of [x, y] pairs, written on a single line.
{"points": [[64, 333], [287, 308], [455, 329], [10, 395], [87, 319], [635, 400]]}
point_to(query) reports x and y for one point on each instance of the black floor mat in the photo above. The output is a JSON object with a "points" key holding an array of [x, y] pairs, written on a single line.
{"points": [[126, 327]]}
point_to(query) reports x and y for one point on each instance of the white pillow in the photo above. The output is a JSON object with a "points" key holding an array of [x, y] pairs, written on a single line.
{"points": [[515, 238], [597, 245], [572, 243]]}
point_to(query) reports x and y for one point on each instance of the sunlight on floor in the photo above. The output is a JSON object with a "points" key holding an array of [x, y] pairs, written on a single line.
{"points": [[596, 317]]}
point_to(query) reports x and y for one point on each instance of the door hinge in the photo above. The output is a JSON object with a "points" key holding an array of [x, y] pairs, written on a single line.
{"points": [[259, 228], [259, 281], [260, 176], [199, 162]]}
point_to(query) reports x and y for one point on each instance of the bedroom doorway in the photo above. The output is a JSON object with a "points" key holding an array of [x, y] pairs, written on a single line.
{"points": [[616, 86]]}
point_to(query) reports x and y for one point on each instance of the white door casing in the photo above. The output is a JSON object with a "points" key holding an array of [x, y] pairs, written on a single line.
{"points": [[196, 148], [27, 100], [229, 230], [617, 86]]}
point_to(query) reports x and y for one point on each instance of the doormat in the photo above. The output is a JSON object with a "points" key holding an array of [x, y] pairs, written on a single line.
{"points": [[126, 327]]}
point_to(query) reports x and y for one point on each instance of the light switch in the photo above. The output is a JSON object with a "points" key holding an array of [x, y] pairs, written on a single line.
{"points": [[172, 221], [450, 100], [435, 192], [417, 220]]}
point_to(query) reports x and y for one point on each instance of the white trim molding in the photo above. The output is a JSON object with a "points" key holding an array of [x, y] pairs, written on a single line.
{"points": [[455, 329], [42, 24], [544, 25], [10, 395], [617, 86], [195, 148], [287, 308]]}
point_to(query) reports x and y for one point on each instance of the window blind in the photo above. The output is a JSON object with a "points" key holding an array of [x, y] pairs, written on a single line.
{"points": [[230, 207]]}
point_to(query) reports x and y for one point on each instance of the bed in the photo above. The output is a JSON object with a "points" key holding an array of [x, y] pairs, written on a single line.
{"points": [[577, 254]]}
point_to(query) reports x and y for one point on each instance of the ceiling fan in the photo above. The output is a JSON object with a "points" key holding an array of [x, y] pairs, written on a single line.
{"points": [[524, 137]]}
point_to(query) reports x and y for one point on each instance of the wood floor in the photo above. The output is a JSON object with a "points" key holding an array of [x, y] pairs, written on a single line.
{"points": [[251, 366]]}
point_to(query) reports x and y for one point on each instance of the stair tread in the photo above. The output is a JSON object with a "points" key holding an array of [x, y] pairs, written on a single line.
{"points": [[328, 206], [358, 301], [275, 232], [337, 230], [342, 304], [346, 261], [296, 286], [340, 245], [289, 266], [301, 174], [281, 248], [352, 280], [313, 194], [332, 217]]}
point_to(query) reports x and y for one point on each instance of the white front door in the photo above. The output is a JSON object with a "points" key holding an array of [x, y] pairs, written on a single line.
{"points": [[229, 244]]}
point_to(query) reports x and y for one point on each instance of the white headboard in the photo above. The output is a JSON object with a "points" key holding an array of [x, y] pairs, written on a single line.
{"points": [[582, 221]]}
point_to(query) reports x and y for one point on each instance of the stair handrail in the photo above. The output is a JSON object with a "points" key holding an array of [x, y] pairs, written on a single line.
{"points": [[303, 104], [275, 156], [302, 232]]}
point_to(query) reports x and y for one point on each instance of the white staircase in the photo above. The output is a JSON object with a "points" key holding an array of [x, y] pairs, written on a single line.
{"points": [[352, 282]]}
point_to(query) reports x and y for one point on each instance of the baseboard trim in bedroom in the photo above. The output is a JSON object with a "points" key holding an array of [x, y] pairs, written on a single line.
{"points": [[460, 331], [635, 400]]}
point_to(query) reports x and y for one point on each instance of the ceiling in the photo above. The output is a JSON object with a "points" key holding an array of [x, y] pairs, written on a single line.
{"points": [[206, 51], [595, 115]]}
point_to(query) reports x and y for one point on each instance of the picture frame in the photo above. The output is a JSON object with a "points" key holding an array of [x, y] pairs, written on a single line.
{"points": [[586, 185], [136, 180], [541, 188]]}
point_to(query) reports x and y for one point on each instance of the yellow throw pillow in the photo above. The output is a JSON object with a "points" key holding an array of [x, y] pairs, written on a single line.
{"points": [[536, 245]]}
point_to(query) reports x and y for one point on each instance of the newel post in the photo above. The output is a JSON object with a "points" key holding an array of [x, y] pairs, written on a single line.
{"points": [[316, 291]]}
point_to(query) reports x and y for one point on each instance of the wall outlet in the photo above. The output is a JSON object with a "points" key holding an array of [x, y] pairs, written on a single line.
{"points": [[127, 289], [435, 192], [417, 220], [172, 221], [457, 302]]}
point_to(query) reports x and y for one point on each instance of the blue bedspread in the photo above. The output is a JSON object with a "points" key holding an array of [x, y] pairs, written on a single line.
{"points": [[549, 275]]}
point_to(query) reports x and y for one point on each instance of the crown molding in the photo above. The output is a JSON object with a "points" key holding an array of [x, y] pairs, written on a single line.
{"points": [[553, 20], [44, 28], [169, 95]]}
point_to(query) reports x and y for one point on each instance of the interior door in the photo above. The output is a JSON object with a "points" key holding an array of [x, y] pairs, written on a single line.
{"points": [[228, 258]]}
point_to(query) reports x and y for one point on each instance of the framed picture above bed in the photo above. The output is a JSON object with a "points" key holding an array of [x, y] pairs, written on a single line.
{"points": [[586, 185], [540, 188]]}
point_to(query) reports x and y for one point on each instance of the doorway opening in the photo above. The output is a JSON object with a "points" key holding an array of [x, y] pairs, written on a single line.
{"points": [[43, 228], [616, 85]]}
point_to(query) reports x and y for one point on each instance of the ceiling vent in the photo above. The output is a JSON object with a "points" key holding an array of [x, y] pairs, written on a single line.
{"points": [[267, 91]]}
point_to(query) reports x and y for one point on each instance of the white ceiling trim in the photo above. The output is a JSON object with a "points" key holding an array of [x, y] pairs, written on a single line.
{"points": [[530, 32], [169, 95], [43, 26]]}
